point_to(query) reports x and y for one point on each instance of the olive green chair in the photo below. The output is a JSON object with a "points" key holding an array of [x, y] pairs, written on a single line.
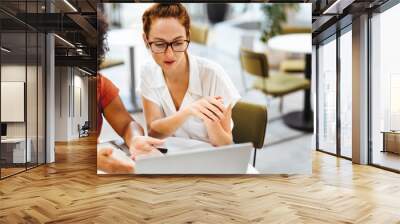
{"points": [[292, 65], [199, 33], [250, 123], [277, 85]]}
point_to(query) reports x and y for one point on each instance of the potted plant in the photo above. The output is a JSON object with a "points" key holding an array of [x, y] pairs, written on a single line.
{"points": [[276, 15]]}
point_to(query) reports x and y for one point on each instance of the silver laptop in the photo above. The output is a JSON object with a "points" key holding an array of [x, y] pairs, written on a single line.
{"points": [[231, 159]]}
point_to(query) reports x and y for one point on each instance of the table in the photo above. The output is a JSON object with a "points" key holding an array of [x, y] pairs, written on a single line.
{"points": [[294, 43], [174, 144], [301, 44], [16, 153], [391, 141]]}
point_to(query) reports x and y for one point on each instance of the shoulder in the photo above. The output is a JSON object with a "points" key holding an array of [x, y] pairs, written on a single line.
{"points": [[105, 84], [107, 91]]}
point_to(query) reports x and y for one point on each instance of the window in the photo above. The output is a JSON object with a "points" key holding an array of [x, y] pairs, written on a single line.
{"points": [[327, 96], [346, 93], [385, 89], [22, 76]]}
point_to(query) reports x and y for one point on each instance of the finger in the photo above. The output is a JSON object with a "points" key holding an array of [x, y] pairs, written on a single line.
{"points": [[156, 152], [132, 150], [209, 114], [135, 154], [215, 111], [144, 147], [146, 150], [153, 152], [217, 104], [204, 117], [221, 101], [155, 141], [149, 148]]}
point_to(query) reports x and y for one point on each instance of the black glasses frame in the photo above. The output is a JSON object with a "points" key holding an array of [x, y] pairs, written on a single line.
{"points": [[169, 44]]}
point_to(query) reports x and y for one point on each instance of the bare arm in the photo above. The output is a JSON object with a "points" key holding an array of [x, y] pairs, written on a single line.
{"points": [[121, 121], [160, 126], [210, 109], [219, 131], [131, 131]]}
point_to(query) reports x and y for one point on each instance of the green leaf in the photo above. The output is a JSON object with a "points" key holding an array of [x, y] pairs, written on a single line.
{"points": [[275, 15]]}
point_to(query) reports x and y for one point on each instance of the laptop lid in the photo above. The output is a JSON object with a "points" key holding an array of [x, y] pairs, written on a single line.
{"points": [[230, 159]]}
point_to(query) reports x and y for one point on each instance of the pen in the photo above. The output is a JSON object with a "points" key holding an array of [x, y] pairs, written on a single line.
{"points": [[162, 150]]}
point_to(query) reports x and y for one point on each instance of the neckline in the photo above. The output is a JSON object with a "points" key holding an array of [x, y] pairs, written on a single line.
{"points": [[184, 99]]}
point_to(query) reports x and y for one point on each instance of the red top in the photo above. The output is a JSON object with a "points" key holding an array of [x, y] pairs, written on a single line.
{"points": [[106, 92]]}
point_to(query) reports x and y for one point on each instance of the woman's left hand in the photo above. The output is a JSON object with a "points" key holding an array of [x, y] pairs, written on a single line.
{"points": [[209, 122]]}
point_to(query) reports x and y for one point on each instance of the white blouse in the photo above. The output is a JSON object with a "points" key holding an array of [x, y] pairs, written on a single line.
{"points": [[206, 78]]}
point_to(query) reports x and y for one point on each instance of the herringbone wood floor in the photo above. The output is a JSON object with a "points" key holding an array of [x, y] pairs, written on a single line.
{"points": [[69, 191]]}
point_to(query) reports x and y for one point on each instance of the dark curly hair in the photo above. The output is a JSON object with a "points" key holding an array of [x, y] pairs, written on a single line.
{"points": [[102, 28]]}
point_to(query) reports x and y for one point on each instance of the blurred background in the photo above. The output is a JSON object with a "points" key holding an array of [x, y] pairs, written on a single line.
{"points": [[279, 34]]}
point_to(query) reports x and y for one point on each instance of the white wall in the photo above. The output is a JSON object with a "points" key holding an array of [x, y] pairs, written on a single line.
{"points": [[61, 104], [80, 96], [71, 94], [33, 126], [14, 73]]}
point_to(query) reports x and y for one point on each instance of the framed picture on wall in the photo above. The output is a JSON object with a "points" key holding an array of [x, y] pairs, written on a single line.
{"points": [[12, 101]]}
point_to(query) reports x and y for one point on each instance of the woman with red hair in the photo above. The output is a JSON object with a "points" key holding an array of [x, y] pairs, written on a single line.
{"points": [[183, 95]]}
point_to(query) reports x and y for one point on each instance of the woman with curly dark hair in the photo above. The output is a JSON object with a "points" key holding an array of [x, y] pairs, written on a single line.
{"points": [[112, 109]]}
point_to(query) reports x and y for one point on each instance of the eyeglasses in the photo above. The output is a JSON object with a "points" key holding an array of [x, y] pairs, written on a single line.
{"points": [[159, 47]]}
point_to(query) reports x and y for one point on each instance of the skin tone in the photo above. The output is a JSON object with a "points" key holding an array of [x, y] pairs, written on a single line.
{"points": [[132, 133], [107, 163], [175, 67]]}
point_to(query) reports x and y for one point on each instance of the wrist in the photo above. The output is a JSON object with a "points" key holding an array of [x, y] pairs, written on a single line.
{"points": [[186, 112], [132, 143], [131, 131]]}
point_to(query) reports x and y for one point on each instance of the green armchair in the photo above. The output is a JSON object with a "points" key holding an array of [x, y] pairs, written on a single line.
{"points": [[250, 123]]}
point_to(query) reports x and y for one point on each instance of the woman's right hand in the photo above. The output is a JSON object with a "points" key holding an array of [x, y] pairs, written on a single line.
{"points": [[144, 145], [208, 109]]}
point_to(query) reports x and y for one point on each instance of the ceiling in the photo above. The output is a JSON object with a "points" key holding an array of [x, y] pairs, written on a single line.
{"points": [[75, 21], [72, 20], [330, 15]]}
